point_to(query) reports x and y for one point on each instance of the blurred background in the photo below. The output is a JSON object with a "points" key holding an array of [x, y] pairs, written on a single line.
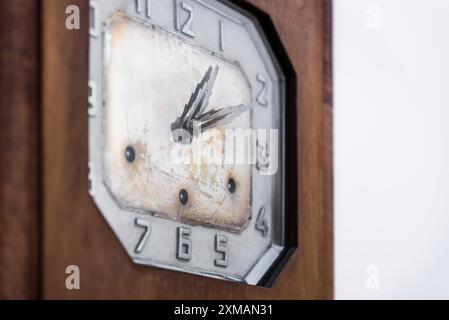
{"points": [[391, 149]]}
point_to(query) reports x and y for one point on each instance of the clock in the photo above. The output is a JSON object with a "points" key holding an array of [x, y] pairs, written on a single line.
{"points": [[187, 136]]}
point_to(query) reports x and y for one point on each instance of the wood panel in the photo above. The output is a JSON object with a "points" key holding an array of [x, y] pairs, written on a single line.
{"points": [[19, 157], [76, 233]]}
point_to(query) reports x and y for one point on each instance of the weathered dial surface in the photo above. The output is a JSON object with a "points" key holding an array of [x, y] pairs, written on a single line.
{"points": [[150, 75], [186, 104]]}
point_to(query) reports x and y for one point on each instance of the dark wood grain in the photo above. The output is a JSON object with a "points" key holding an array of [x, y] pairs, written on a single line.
{"points": [[19, 157], [76, 233], [328, 144]]}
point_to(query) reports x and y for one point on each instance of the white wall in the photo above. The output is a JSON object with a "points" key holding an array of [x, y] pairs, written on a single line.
{"points": [[391, 148]]}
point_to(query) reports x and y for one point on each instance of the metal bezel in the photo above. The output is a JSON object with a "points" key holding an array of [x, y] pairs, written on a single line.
{"points": [[124, 224]]}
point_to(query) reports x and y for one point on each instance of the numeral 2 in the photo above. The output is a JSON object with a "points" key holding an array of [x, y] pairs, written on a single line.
{"points": [[262, 96], [186, 27]]}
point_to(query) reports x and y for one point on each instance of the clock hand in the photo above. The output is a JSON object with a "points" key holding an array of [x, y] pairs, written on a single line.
{"points": [[204, 92], [198, 102], [219, 117]]}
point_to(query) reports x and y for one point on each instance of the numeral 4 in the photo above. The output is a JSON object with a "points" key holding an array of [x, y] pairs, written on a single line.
{"points": [[261, 222]]}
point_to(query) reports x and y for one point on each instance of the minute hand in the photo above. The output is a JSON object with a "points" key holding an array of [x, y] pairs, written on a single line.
{"points": [[220, 117], [200, 97], [198, 102]]}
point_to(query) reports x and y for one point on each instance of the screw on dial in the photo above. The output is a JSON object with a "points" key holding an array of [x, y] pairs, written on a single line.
{"points": [[232, 185], [183, 197], [130, 154]]}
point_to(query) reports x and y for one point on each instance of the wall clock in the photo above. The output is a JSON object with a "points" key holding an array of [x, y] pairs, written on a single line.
{"points": [[187, 136]]}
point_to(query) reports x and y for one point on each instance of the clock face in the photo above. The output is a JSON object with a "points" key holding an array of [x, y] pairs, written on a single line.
{"points": [[186, 104]]}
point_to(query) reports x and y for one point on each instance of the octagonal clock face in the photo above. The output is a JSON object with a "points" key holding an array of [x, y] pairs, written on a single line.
{"points": [[186, 107]]}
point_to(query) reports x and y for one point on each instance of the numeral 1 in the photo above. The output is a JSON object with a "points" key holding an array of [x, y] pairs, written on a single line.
{"points": [[145, 224], [184, 247], [221, 30], [221, 243], [140, 9], [185, 27]]}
